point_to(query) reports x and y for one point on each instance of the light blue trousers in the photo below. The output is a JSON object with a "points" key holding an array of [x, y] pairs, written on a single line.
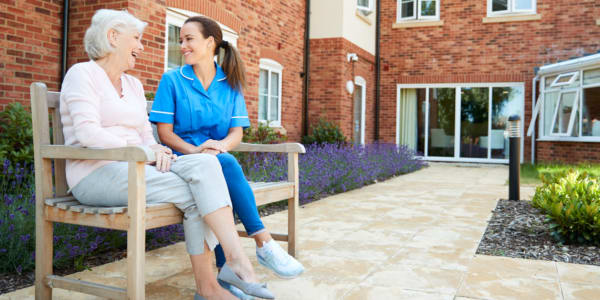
{"points": [[195, 185]]}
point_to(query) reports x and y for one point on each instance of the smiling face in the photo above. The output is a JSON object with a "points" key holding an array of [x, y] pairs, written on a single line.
{"points": [[128, 46], [194, 46]]}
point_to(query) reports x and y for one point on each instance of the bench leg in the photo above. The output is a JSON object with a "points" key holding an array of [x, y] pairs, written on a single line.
{"points": [[43, 258], [136, 235], [44, 230], [292, 209]]}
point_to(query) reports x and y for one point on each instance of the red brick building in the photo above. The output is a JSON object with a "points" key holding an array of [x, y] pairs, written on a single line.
{"points": [[452, 71]]}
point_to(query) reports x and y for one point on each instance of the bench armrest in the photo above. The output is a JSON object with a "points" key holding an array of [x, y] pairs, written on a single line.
{"points": [[281, 148], [130, 153]]}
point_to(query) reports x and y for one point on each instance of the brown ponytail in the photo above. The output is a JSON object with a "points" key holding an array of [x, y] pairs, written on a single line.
{"points": [[232, 65]]}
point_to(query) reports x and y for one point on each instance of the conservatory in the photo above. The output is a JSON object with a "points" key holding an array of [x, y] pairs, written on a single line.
{"points": [[568, 106]]}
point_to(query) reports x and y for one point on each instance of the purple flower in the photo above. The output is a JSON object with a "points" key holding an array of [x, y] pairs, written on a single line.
{"points": [[25, 238], [19, 269], [11, 216], [8, 200], [11, 227], [2, 250]]}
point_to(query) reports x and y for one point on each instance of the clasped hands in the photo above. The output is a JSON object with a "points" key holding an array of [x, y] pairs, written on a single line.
{"points": [[212, 147]]}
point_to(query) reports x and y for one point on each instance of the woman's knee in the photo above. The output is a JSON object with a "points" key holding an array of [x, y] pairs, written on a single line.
{"points": [[227, 161]]}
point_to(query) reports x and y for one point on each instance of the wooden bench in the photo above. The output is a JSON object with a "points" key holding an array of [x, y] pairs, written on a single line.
{"points": [[53, 204]]}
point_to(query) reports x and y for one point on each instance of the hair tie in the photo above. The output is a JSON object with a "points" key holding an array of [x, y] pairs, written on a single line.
{"points": [[224, 44]]}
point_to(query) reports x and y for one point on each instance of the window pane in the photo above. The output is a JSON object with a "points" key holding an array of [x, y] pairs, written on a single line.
{"points": [[262, 107], [174, 57], [408, 8], [262, 82], [441, 121], [410, 131], [428, 8], [474, 122], [565, 109], [274, 84], [591, 76], [363, 3], [563, 79], [499, 5], [550, 80], [550, 99], [591, 112], [274, 106], [524, 4], [506, 101]]}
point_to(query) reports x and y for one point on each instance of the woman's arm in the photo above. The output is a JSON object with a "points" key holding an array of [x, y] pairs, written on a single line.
{"points": [[172, 140]]}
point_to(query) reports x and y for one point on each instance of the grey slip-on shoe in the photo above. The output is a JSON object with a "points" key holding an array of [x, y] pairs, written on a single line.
{"points": [[252, 289]]}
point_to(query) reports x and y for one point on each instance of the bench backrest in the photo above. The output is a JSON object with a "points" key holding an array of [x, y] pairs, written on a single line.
{"points": [[45, 115]]}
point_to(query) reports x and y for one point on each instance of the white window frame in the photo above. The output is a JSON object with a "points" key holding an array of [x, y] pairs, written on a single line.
{"points": [[177, 17], [458, 87], [358, 80], [368, 8], [541, 102], [512, 10], [556, 82], [271, 66], [573, 113], [417, 13]]}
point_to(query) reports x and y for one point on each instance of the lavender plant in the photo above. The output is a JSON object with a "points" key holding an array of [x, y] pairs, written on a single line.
{"points": [[334, 168]]}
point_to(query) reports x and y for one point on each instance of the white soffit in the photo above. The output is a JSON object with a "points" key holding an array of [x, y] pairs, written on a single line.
{"points": [[571, 65]]}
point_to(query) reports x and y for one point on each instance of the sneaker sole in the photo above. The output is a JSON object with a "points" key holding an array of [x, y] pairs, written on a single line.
{"points": [[264, 264]]}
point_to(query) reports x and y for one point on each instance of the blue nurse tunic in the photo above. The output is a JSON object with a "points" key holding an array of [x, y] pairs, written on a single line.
{"points": [[198, 114]]}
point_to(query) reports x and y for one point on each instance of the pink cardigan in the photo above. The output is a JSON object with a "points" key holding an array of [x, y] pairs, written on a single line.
{"points": [[95, 116]]}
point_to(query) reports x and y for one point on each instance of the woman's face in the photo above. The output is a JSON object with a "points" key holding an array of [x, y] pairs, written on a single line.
{"points": [[194, 46], [128, 47]]}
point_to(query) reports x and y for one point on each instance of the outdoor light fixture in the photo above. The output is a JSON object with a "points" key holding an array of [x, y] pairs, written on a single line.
{"points": [[350, 86]]}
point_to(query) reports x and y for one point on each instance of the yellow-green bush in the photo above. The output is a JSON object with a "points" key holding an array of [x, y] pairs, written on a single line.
{"points": [[571, 202]]}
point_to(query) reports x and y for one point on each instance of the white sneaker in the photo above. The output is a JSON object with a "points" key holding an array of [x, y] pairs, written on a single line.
{"points": [[272, 256]]}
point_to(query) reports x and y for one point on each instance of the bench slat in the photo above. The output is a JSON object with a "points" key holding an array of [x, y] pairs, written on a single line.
{"points": [[66, 205], [54, 201]]}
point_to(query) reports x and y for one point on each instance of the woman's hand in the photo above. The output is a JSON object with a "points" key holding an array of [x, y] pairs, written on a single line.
{"points": [[218, 146], [164, 156], [210, 151]]}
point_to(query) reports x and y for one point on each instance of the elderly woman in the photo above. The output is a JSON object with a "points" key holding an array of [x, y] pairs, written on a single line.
{"points": [[103, 107]]}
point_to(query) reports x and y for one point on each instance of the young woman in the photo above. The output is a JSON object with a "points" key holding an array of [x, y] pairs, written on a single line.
{"points": [[199, 108], [103, 107]]}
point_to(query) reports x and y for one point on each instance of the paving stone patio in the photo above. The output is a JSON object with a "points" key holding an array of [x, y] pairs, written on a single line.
{"points": [[411, 237]]}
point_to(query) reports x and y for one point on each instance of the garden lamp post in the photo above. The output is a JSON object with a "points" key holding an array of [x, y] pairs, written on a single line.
{"points": [[514, 137]]}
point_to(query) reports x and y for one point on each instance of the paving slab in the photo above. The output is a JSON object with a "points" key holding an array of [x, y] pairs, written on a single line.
{"points": [[410, 237]]}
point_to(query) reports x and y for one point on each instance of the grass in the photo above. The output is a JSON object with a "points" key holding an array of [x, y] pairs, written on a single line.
{"points": [[531, 173]]}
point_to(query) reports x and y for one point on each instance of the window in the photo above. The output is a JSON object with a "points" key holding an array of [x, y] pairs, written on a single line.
{"points": [[175, 19], [364, 5], [503, 7], [418, 10], [269, 92], [569, 106], [458, 122]]}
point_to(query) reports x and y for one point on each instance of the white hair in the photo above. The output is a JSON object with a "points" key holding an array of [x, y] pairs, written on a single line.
{"points": [[96, 41]]}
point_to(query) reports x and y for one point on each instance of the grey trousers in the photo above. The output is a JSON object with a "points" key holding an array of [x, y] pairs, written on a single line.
{"points": [[195, 185]]}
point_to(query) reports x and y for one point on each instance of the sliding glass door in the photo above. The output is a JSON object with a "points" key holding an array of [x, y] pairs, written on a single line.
{"points": [[462, 122]]}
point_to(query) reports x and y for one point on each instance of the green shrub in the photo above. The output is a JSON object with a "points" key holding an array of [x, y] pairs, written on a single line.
{"points": [[324, 132], [571, 202], [16, 135], [263, 134]]}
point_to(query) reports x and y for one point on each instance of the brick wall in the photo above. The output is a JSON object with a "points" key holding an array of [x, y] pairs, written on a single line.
{"points": [[30, 44], [465, 49], [329, 72], [31, 33]]}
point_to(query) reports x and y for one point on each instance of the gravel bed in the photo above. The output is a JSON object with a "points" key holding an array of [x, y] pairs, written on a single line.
{"points": [[517, 229], [13, 282]]}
